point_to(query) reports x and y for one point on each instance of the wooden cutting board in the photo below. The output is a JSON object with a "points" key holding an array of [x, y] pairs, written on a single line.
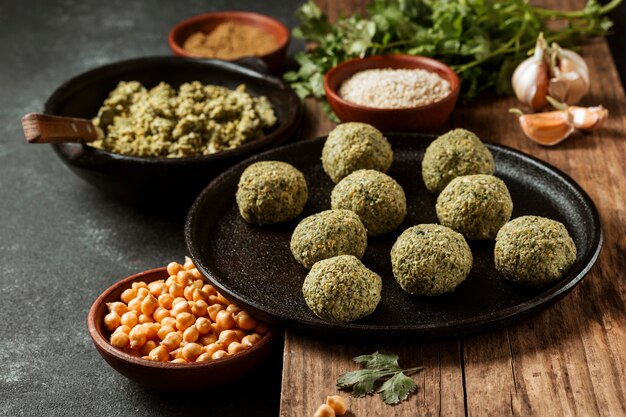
{"points": [[568, 360]]}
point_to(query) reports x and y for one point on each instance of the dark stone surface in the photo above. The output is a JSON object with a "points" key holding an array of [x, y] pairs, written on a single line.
{"points": [[62, 242]]}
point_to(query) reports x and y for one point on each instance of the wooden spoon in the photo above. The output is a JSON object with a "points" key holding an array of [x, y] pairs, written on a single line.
{"points": [[43, 128]]}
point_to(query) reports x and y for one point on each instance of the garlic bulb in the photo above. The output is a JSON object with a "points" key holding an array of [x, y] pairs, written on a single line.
{"points": [[554, 71], [530, 79]]}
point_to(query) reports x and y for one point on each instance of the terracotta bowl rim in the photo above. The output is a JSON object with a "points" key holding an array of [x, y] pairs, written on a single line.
{"points": [[104, 346], [451, 76], [285, 34]]}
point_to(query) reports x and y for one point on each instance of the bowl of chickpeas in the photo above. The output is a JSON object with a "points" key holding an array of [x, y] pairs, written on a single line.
{"points": [[169, 329]]}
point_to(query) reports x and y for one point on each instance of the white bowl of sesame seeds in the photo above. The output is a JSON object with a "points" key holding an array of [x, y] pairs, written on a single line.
{"points": [[393, 92]]}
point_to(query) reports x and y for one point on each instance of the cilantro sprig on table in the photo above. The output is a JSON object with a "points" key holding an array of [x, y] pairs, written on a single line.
{"points": [[483, 40], [381, 373]]}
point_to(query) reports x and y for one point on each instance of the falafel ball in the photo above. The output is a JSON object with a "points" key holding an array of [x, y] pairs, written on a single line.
{"points": [[271, 192], [476, 206], [430, 259], [534, 251], [327, 234], [353, 146], [376, 197], [456, 153], [341, 289]]}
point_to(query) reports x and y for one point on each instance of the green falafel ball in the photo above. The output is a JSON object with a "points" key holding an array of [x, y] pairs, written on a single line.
{"points": [[271, 192], [476, 206], [376, 197], [341, 289], [430, 259], [327, 234], [456, 153], [353, 146], [534, 251]]}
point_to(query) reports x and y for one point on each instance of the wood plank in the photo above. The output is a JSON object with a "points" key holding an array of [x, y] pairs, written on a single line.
{"points": [[568, 360]]}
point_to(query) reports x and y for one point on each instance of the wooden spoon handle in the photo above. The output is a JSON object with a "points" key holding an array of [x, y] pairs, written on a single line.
{"points": [[43, 128]]}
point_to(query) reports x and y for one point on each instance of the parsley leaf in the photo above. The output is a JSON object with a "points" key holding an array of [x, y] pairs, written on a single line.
{"points": [[380, 368]]}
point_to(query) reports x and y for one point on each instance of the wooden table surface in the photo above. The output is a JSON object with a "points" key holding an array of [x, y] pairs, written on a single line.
{"points": [[570, 359]]}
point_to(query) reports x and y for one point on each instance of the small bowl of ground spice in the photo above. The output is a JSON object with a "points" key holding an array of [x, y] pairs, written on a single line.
{"points": [[393, 92], [230, 36]]}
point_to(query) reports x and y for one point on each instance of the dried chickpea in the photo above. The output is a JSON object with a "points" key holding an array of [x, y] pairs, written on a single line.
{"points": [[240, 333], [191, 351], [120, 340], [178, 300], [117, 307], [196, 274], [160, 313], [338, 404], [200, 294], [225, 320], [176, 289], [179, 360], [213, 310], [157, 287], [159, 354], [203, 325], [169, 281], [148, 346], [169, 321], [165, 300], [173, 268], [180, 307], [177, 353], [128, 295], [151, 330], [142, 293], [144, 318], [219, 354], [130, 318], [123, 328], [251, 339], [112, 321], [204, 357], [222, 300], [184, 278], [324, 410], [245, 321], [191, 334], [209, 289], [212, 348], [208, 339], [149, 304], [188, 292], [188, 263], [198, 283], [139, 284], [172, 341], [184, 320], [233, 309], [199, 308], [137, 337], [164, 331], [215, 329], [135, 305], [235, 348], [226, 337]]}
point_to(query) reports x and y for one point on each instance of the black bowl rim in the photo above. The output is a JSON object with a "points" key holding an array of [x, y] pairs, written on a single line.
{"points": [[283, 130], [463, 327], [102, 344]]}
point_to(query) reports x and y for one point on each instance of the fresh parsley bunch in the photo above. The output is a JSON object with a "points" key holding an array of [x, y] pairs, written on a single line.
{"points": [[483, 40], [380, 368]]}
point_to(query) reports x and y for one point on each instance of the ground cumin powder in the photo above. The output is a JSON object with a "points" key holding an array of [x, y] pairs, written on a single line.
{"points": [[230, 40]]}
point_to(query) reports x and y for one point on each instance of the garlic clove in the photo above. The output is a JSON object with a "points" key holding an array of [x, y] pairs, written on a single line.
{"points": [[530, 80], [570, 61], [587, 118], [568, 87], [547, 128]]}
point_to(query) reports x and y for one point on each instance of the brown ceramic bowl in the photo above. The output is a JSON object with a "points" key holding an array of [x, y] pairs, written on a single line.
{"points": [[165, 375], [209, 21], [423, 118]]}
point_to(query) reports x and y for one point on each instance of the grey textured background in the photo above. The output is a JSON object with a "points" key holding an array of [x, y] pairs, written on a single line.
{"points": [[62, 242]]}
